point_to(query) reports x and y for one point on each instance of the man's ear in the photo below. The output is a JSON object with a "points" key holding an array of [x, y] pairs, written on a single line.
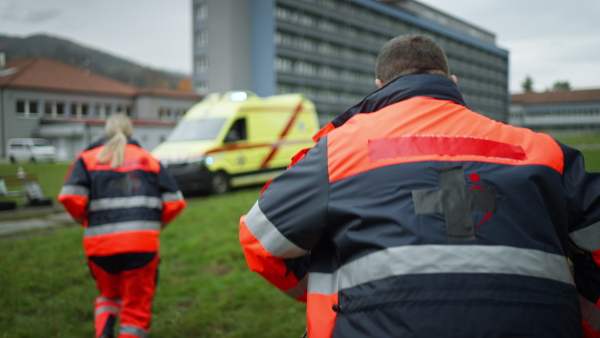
{"points": [[379, 83], [454, 79]]}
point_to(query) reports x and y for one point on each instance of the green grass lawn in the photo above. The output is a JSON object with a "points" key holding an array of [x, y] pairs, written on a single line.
{"points": [[205, 288]]}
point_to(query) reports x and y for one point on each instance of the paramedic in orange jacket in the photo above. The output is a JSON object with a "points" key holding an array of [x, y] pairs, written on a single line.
{"points": [[123, 197], [414, 216]]}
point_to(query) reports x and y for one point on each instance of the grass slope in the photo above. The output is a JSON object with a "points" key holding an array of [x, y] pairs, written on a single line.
{"points": [[205, 288]]}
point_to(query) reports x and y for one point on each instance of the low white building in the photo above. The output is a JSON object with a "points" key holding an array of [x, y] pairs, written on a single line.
{"points": [[68, 106], [557, 111]]}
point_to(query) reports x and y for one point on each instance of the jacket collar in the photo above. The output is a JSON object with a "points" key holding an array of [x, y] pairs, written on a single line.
{"points": [[402, 88], [103, 140]]}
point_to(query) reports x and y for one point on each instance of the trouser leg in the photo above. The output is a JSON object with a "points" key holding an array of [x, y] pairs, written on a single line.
{"points": [[108, 303], [138, 288]]}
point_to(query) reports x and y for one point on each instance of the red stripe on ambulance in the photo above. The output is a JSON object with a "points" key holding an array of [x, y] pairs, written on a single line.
{"points": [[275, 146]]}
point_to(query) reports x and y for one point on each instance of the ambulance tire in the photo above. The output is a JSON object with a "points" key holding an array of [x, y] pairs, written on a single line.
{"points": [[220, 183]]}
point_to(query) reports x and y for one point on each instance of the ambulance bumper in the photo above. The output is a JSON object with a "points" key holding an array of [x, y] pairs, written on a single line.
{"points": [[191, 177]]}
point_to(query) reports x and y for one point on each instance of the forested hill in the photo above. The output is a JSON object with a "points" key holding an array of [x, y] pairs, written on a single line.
{"points": [[77, 55]]}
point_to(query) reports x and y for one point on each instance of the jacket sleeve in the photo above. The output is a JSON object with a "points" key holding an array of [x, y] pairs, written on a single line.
{"points": [[173, 201], [582, 191], [287, 221], [74, 193]]}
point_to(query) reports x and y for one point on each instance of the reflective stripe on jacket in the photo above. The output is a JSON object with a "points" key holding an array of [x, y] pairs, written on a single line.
{"points": [[123, 208], [418, 217]]}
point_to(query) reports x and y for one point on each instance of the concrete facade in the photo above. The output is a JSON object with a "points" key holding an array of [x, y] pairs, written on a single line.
{"points": [[326, 49]]}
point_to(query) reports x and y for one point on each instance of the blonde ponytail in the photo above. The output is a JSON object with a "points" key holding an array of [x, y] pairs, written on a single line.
{"points": [[118, 127]]}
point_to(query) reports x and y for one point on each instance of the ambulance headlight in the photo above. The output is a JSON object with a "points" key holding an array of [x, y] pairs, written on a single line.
{"points": [[209, 160]]}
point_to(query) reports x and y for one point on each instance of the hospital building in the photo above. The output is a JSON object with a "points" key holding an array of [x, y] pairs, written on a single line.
{"points": [[326, 49]]}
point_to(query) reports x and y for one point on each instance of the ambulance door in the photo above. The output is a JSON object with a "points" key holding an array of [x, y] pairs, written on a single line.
{"points": [[236, 143]]}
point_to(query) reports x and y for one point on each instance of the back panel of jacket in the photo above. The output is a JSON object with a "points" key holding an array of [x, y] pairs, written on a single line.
{"points": [[124, 208], [434, 208]]}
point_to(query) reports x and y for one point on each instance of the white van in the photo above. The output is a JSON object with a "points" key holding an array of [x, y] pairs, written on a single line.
{"points": [[30, 149]]}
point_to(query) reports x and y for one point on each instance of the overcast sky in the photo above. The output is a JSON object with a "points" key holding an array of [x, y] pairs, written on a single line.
{"points": [[549, 40]]}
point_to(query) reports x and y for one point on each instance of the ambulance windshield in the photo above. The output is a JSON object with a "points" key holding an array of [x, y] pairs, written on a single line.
{"points": [[196, 130]]}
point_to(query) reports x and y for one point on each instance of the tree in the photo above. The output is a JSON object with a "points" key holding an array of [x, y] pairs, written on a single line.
{"points": [[527, 84], [561, 85]]}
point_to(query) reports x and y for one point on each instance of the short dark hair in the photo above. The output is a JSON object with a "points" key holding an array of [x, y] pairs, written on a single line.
{"points": [[411, 54]]}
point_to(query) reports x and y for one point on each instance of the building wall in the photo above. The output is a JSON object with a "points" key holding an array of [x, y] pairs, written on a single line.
{"points": [[71, 138], [11, 125], [18, 119], [263, 77], [545, 117], [23, 109], [229, 56], [327, 49], [162, 108]]}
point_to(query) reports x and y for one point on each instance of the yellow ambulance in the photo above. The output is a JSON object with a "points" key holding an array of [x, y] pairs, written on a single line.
{"points": [[237, 139]]}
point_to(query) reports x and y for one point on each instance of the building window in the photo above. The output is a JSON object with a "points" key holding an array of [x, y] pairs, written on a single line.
{"points": [[60, 109], [26, 108], [75, 110], [33, 107], [202, 38], [48, 108], [306, 20], [164, 114], [283, 39], [283, 88], [282, 13], [283, 64], [328, 26], [103, 110], [20, 109], [202, 87], [125, 109], [202, 64], [202, 11], [94, 110], [305, 68], [328, 3], [85, 110]]}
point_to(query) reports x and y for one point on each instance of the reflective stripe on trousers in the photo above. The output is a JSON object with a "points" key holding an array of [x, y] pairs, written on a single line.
{"points": [[133, 330]]}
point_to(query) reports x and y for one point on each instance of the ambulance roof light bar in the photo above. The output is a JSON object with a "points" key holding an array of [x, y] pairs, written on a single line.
{"points": [[238, 96]]}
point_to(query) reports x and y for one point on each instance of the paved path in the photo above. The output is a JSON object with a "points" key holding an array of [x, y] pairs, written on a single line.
{"points": [[48, 221]]}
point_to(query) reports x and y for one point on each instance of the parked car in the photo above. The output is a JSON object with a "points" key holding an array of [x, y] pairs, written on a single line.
{"points": [[30, 149]]}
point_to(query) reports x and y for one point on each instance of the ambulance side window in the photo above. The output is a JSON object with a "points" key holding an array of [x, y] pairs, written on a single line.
{"points": [[237, 131]]}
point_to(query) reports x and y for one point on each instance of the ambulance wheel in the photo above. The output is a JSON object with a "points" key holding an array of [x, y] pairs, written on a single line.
{"points": [[220, 183]]}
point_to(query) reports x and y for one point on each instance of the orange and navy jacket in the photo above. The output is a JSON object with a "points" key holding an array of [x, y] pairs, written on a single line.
{"points": [[414, 216], [123, 209]]}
